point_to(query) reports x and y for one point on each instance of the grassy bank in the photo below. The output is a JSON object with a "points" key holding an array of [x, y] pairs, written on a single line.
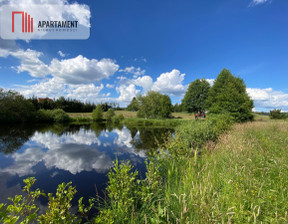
{"points": [[239, 176], [242, 179]]}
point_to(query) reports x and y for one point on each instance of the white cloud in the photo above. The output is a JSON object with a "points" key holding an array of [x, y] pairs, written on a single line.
{"points": [[210, 81], [85, 92], [127, 93], [132, 70], [52, 88], [55, 88], [29, 61], [267, 99], [78, 70], [145, 82], [259, 94], [170, 83], [109, 86], [61, 54], [82, 70], [257, 2]]}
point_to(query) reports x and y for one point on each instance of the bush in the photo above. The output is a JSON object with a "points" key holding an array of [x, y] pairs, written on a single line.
{"points": [[44, 116], [115, 120], [23, 209], [194, 134], [277, 114], [110, 114], [121, 117], [97, 113], [60, 116]]}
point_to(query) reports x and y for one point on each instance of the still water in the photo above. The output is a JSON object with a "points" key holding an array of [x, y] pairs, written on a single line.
{"points": [[82, 154]]}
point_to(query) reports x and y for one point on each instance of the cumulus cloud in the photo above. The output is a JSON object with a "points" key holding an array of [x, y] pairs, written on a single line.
{"points": [[145, 82], [82, 70], [53, 88], [132, 70], [78, 70], [86, 92], [29, 61], [267, 99], [170, 83], [127, 93]]}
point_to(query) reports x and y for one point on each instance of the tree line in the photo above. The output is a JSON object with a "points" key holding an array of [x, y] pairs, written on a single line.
{"points": [[227, 95], [15, 108]]}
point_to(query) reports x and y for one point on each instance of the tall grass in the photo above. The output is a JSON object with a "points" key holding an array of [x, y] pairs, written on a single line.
{"points": [[243, 180]]}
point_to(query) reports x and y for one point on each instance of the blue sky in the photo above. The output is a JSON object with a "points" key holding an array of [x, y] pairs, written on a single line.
{"points": [[136, 46]]}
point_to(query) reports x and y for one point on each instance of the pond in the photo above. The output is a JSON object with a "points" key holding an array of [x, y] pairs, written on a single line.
{"points": [[82, 154]]}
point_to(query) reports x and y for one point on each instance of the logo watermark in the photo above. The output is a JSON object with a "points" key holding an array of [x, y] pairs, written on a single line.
{"points": [[44, 22]]}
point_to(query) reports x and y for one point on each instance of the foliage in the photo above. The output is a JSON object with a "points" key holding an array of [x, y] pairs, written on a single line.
{"points": [[178, 107], [68, 105], [127, 196], [57, 115], [228, 94], [196, 95], [121, 117], [134, 105], [24, 210], [58, 210], [277, 114], [110, 114], [154, 105], [97, 113], [122, 194], [14, 107], [194, 134]]}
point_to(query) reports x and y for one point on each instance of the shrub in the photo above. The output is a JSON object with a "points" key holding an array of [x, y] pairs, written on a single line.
{"points": [[194, 134], [121, 117], [44, 116], [110, 114], [277, 114], [25, 210], [97, 113], [115, 120], [60, 116]]}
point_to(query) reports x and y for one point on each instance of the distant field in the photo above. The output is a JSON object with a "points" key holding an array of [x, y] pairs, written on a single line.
{"points": [[132, 114], [178, 115]]}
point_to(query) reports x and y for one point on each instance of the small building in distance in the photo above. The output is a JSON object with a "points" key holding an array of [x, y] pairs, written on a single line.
{"points": [[41, 100]]}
